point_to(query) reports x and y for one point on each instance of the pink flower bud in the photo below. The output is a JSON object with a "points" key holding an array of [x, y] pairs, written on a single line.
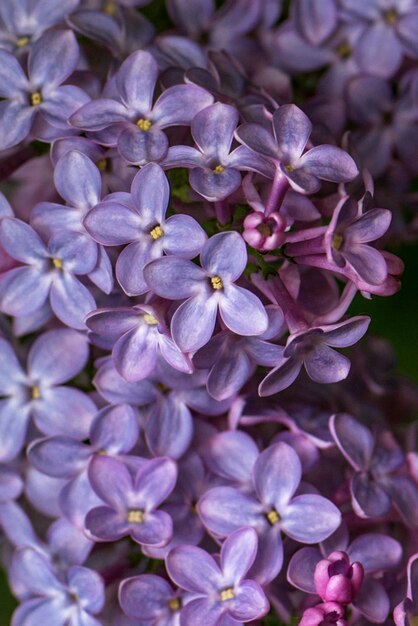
{"points": [[336, 580], [264, 232]]}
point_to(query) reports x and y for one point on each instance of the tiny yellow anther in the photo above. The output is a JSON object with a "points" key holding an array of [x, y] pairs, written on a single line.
{"points": [[218, 169], [109, 7], [289, 168], [156, 232], [174, 604], [135, 516], [36, 394], [144, 124], [344, 50], [216, 282], [35, 98], [227, 594], [57, 263], [150, 319], [337, 241], [22, 41], [390, 16], [102, 165], [273, 517]]}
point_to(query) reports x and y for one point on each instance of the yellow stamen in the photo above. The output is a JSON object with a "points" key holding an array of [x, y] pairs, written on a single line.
{"points": [[109, 7], [390, 16], [413, 621], [227, 594], [22, 41], [150, 319], [57, 263], [218, 169], [102, 452], [35, 98], [136, 516], [273, 517], [337, 241], [174, 604], [289, 168], [156, 232], [144, 124], [102, 165], [36, 394], [343, 50], [216, 282]]}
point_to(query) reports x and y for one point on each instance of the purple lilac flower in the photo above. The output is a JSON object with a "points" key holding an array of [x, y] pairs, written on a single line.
{"points": [[223, 260], [273, 508], [324, 613], [316, 21], [407, 610], [138, 123], [215, 170], [219, 590], [131, 503], [54, 358], [49, 272], [51, 61], [140, 222], [376, 483], [151, 599], [231, 455]]}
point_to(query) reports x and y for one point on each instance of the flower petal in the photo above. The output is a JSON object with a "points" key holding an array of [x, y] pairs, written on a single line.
{"points": [[136, 79], [238, 553], [292, 129], [193, 322], [193, 569], [310, 518], [242, 311], [57, 355], [355, 441], [277, 474], [53, 58]]}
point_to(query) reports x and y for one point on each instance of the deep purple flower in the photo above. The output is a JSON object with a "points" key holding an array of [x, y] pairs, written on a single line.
{"points": [[219, 590], [325, 614], [223, 260]]}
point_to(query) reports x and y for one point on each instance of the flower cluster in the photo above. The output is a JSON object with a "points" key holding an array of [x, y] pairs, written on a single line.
{"points": [[190, 432]]}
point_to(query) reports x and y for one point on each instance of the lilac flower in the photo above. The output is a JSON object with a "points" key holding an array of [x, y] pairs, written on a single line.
{"points": [[141, 138], [150, 598], [348, 234], [407, 610], [52, 60], [116, 390], [223, 260], [291, 129], [214, 168], [316, 21], [140, 222], [131, 504], [375, 484], [324, 613], [219, 590], [311, 348], [55, 357], [307, 518], [49, 271], [11, 485], [231, 455], [73, 600]]}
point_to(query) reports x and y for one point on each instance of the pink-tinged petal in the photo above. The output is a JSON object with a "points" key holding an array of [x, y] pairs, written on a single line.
{"points": [[183, 236], [21, 241], [193, 569], [13, 81], [140, 147], [23, 290], [15, 122], [292, 129], [193, 322], [213, 130], [369, 499], [355, 441], [135, 354], [310, 518], [370, 226], [280, 377], [100, 114], [151, 192], [57, 355], [199, 609], [13, 425], [250, 602], [375, 551], [212, 185], [378, 51], [224, 509], [111, 481], [53, 58], [178, 105], [156, 530], [183, 156], [155, 481], [316, 20], [105, 524], [238, 553], [347, 333], [112, 223], [231, 454], [71, 301], [78, 180], [277, 473], [143, 596], [369, 263], [242, 311], [325, 365], [225, 254], [130, 265], [257, 138], [136, 79], [372, 601], [301, 569], [174, 278], [329, 163]]}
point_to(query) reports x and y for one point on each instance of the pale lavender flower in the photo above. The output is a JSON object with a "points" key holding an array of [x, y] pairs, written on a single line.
{"points": [[151, 599]]}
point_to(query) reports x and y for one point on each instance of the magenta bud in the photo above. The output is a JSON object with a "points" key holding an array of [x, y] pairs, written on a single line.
{"points": [[336, 580], [264, 232], [324, 614]]}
